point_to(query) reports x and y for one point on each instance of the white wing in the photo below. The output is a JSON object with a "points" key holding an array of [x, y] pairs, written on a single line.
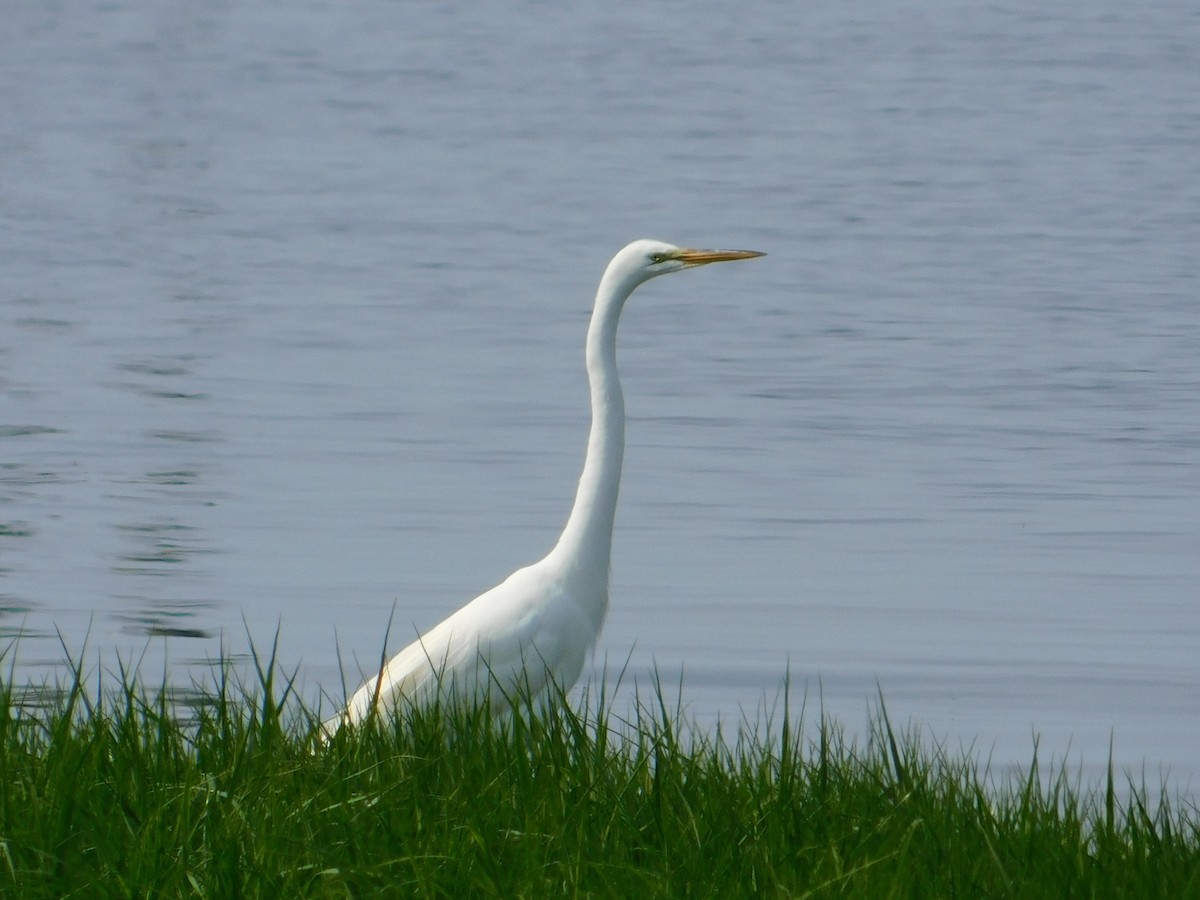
{"points": [[501, 645]]}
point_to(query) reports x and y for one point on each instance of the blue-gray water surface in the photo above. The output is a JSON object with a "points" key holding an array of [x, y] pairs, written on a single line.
{"points": [[292, 308]]}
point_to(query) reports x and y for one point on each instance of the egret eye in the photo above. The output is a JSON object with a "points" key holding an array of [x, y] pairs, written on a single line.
{"points": [[658, 257]]}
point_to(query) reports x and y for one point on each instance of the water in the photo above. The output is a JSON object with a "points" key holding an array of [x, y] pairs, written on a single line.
{"points": [[293, 307]]}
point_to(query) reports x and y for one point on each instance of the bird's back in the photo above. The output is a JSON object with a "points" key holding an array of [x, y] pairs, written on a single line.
{"points": [[507, 644]]}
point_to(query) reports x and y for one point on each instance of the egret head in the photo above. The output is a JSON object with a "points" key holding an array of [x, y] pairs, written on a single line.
{"points": [[643, 260]]}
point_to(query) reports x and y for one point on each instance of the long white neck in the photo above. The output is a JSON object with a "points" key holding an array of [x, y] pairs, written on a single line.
{"points": [[585, 548]]}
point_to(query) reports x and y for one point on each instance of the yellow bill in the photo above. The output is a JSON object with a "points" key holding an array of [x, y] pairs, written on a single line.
{"points": [[703, 257]]}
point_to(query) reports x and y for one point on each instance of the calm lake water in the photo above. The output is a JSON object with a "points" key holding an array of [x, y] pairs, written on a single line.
{"points": [[292, 307]]}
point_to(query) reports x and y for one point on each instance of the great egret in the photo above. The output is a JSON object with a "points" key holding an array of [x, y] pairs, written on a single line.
{"points": [[538, 625]]}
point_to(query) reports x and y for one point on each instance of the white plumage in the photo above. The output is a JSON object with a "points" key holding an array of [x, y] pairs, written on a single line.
{"points": [[538, 625]]}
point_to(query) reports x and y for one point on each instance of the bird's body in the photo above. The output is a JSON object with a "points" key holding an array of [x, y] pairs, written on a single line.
{"points": [[534, 630]]}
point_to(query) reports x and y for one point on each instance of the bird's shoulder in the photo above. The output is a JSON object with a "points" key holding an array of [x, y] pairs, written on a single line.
{"points": [[526, 591]]}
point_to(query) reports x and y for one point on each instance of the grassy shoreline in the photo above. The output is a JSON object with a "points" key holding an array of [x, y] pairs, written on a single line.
{"points": [[113, 796]]}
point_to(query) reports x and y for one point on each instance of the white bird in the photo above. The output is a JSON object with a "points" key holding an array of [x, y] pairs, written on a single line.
{"points": [[534, 630]]}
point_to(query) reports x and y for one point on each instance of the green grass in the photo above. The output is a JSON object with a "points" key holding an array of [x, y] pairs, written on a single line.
{"points": [[113, 796]]}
